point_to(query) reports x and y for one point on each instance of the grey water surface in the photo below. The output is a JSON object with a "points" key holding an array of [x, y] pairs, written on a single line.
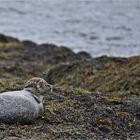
{"points": [[100, 27]]}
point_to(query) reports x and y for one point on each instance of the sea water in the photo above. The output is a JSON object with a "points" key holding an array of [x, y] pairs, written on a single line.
{"points": [[100, 27]]}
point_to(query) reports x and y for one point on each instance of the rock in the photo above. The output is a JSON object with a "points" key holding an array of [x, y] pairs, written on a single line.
{"points": [[28, 43], [30, 59], [7, 39], [102, 74], [84, 55]]}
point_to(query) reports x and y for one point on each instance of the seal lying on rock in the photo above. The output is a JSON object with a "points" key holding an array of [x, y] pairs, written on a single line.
{"points": [[24, 106]]}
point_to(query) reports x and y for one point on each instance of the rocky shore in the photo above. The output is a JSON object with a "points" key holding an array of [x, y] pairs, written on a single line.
{"points": [[94, 98]]}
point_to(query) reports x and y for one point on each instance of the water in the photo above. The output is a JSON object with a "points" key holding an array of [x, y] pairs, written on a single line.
{"points": [[100, 27]]}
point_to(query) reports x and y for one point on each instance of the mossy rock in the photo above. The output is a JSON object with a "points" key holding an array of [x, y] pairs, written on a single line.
{"points": [[102, 74], [92, 98]]}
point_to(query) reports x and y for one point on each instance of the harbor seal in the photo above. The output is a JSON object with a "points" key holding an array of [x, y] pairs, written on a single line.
{"points": [[24, 106]]}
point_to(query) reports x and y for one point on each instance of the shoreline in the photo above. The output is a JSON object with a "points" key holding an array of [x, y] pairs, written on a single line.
{"points": [[95, 98], [69, 47]]}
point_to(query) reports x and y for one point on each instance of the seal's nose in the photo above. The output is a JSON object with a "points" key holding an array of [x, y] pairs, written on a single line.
{"points": [[49, 88]]}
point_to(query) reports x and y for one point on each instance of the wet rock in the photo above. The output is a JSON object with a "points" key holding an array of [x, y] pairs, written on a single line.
{"points": [[6, 39], [28, 43], [84, 55]]}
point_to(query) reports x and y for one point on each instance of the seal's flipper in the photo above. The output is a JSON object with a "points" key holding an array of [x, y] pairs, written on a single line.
{"points": [[38, 99]]}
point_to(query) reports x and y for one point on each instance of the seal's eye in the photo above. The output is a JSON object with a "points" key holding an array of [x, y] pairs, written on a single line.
{"points": [[38, 87], [49, 88]]}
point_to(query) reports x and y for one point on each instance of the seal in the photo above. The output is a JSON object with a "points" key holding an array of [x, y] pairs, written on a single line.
{"points": [[24, 106]]}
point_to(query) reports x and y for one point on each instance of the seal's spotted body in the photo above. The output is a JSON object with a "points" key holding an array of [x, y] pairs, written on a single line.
{"points": [[23, 106]]}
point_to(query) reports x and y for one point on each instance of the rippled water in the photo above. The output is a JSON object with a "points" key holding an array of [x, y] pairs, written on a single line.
{"points": [[101, 27]]}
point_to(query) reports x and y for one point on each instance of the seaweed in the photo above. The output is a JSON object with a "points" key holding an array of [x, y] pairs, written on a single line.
{"points": [[92, 98]]}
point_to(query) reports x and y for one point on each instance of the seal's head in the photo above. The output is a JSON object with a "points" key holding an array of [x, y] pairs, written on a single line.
{"points": [[38, 85]]}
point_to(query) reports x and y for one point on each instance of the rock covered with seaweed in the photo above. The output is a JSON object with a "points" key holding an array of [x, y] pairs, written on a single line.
{"points": [[93, 98]]}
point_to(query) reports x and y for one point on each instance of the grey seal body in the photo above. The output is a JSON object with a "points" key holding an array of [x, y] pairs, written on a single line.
{"points": [[19, 106], [23, 106]]}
